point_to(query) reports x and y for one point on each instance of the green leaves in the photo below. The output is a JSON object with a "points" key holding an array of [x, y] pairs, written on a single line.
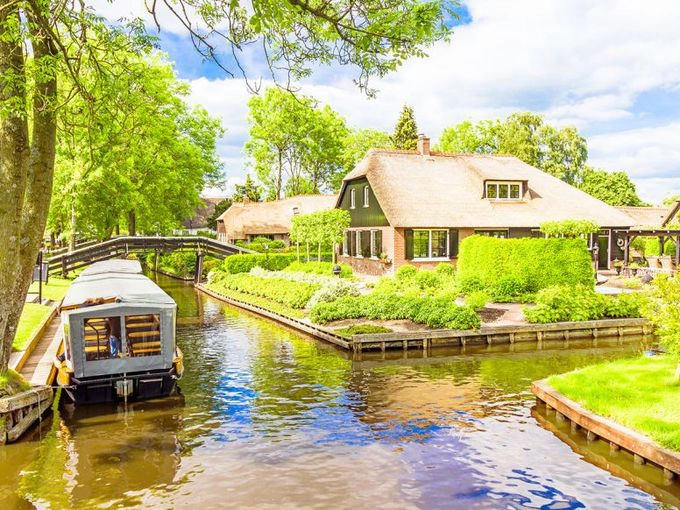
{"points": [[405, 131], [663, 310], [560, 152], [569, 228], [321, 227], [613, 188]]}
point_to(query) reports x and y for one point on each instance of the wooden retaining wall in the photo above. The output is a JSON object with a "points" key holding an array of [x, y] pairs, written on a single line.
{"points": [[599, 427], [19, 412], [491, 335]]}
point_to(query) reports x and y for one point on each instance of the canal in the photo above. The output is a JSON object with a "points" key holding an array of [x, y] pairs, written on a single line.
{"points": [[271, 419]]}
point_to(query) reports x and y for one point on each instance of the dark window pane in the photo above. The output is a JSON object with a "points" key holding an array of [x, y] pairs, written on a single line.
{"points": [[377, 243], [502, 191], [421, 242], [366, 243], [439, 243], [514, 191], [102, 338], [352, 243], [491, 191]]}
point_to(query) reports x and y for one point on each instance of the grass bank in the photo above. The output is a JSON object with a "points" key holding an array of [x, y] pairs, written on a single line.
{"points": [[31, 317], [639, 393], [12, 383], [55, 289]]}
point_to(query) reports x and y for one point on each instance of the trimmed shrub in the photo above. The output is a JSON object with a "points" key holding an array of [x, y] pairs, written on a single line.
{"points": [[477, 300], [444, 269], [406, 272], [540, 263], [315, 267], [435, 312], [581, 303], [286, 292], [235, 264], [508, 288]]}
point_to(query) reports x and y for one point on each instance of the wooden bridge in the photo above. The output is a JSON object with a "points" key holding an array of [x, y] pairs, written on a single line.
{"points": [[121, 246]]}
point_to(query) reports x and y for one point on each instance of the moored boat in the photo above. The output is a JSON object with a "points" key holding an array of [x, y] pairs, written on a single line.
{"points": [[119, 336]]}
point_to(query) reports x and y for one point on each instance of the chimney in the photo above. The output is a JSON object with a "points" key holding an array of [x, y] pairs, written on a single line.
{"points": [[423, 145]]}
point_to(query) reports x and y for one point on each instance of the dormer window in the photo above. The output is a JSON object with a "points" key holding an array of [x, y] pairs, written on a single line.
{"points": [[365, 196], [296, 210], [352, 198], [504, 190]]}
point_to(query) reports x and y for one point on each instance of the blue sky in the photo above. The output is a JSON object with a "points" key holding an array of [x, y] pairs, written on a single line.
{"points": [[608, 67]]}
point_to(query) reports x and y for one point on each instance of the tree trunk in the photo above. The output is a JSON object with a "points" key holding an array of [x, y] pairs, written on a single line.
{"points": [[132, 223], [117, 229], [26, 169], [307, 251], [319, 256], [677, 372]]}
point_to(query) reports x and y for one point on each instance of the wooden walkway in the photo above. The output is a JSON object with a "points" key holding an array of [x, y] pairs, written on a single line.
{"points": [[39, 368]]}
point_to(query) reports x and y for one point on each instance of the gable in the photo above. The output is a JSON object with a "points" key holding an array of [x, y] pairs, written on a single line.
{"points": [[360, 216]]}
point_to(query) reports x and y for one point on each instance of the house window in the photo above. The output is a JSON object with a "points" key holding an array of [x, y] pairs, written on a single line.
{"points": [[366, 243], [345, 243], [352, 198], [365, 196], [357, 246], [296, 210], [500, 190], [352, 243], [499, 234], [430, 244], [376, 243]]}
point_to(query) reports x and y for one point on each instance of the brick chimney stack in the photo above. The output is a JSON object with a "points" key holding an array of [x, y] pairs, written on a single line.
{"points": [[423, 145]]}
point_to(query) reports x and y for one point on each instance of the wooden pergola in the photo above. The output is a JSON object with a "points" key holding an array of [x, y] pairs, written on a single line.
{"points": [[664, 235]]}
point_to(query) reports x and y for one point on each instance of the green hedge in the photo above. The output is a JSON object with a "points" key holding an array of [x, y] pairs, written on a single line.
{"points": [[286, 292], [435, 312], [244, 263], [582, 303], [314, 267], [507, 267]]}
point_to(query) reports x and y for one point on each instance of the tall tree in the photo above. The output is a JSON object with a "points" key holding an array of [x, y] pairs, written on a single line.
{"points": [[247, 190], [295, 147], [43, 40], [561, 152], [614, 188], [406, 131]]}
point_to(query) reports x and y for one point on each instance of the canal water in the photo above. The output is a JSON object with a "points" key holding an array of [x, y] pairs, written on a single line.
{"points": [[270, 419]]}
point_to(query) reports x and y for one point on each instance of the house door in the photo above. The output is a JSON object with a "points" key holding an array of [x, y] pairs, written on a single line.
{"points": [[603, 241]]}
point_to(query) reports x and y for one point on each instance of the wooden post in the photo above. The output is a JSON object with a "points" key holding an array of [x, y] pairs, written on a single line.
{"points": [[199, 267]]}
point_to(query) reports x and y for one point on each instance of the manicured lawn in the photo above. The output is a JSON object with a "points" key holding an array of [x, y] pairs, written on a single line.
{"points": [[259, 301], [54, 289], [31, 317], [362, 329], [639, 393]]}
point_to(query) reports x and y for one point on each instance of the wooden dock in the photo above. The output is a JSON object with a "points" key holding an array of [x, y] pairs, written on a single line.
{"points": [[39, 368], [643, 449]]}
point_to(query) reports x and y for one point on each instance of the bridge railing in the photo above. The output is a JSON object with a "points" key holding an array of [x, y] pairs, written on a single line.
{"points": [[121, 246]]}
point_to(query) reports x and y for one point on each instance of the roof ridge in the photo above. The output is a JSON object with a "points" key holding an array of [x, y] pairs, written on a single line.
{"points": [[412, 152]]}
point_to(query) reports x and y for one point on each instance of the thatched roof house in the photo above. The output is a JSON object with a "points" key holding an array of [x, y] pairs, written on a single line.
{"points": [[415, 206], [247, 220], [652, 216]]}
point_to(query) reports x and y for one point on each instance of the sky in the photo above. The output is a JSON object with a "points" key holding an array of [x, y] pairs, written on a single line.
{"points": [[611, 68]]}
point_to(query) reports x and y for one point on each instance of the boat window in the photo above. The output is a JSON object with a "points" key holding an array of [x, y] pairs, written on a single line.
{"points": [[102, 338], [143, 334]]}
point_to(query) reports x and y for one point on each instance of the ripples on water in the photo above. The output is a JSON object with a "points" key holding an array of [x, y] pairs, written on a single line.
{"points": [[270, 419]]}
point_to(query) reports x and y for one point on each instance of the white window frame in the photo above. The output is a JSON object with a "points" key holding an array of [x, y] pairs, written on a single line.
{"points": [[429, 257], [366, 196], [498, 184], [357, 241], [352, 198], [506, 230], [377, 255], [345, 248]]}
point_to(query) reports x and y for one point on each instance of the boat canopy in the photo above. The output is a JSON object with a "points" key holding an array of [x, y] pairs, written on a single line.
{"points": [[114, 281]]}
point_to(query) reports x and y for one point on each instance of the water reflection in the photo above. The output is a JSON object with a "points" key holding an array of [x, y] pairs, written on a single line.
{"points": [[270, 418]]}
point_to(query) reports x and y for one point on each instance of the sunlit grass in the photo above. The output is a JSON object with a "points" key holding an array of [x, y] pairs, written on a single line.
{"points": [[31, 317], [639, 393], [12, 383], [55, 289]]}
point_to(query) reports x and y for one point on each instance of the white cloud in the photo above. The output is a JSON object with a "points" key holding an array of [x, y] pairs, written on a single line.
{"points": [[578, 62]]}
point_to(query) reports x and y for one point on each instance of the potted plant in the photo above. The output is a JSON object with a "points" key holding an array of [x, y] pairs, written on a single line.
{"points": [[634, 268], [384, 259], [618, 265]]}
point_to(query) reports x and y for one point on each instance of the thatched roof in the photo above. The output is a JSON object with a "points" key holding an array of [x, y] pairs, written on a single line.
{"points": [[259, 218], [447, 190], [646, 216]]}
